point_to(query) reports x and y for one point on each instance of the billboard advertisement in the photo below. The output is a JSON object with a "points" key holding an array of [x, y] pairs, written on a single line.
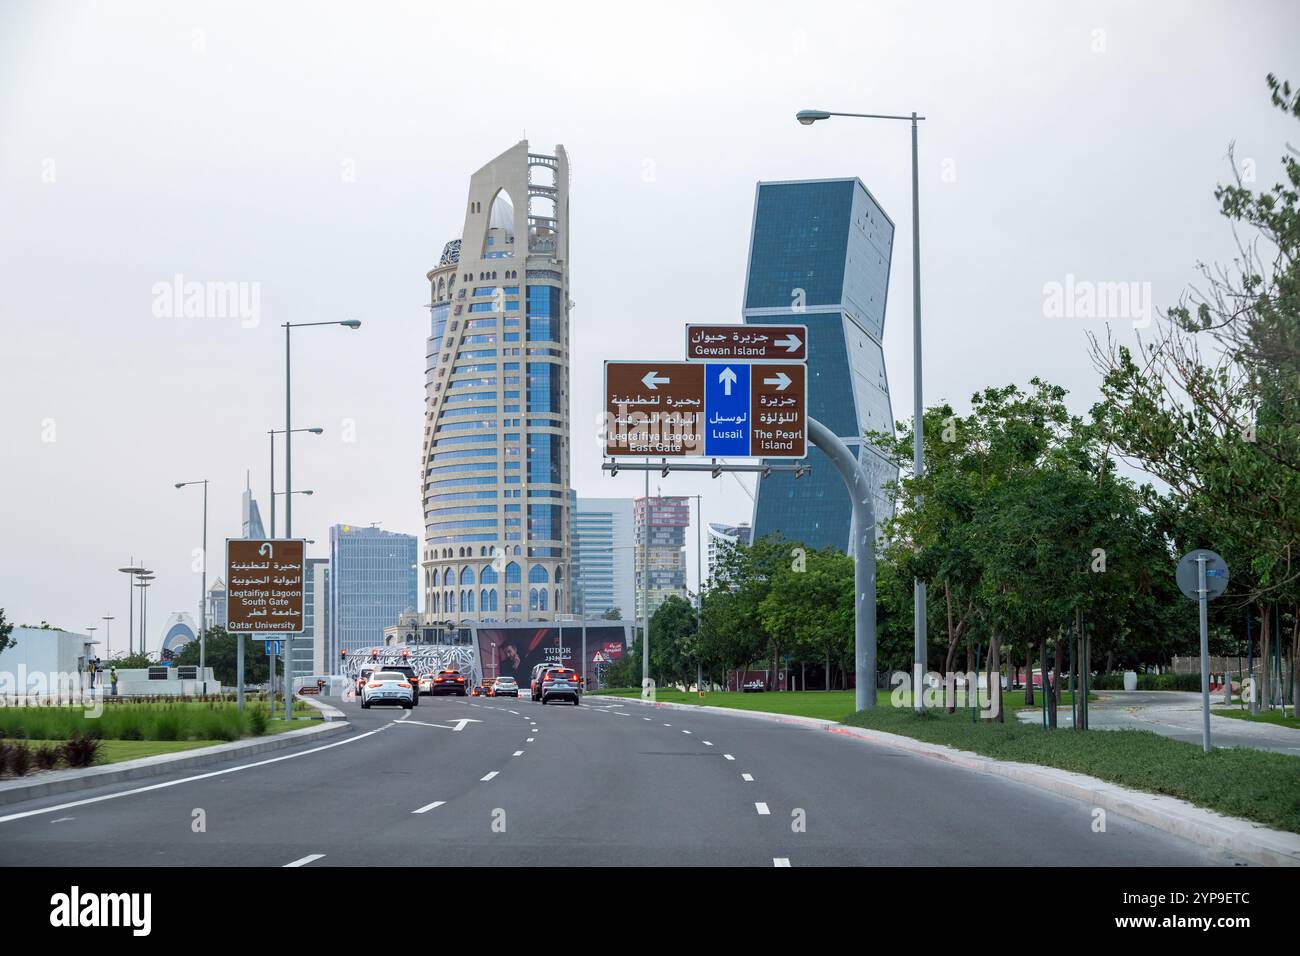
{"points": [[515, 651]]}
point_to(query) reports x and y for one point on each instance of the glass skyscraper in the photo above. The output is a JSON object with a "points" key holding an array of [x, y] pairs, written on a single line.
{"points": [[819, 256], [495, 478], [603, 563], [372, 579]]}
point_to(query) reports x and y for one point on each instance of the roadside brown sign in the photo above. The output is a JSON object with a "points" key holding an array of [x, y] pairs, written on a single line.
{"points": [[654, 409], [265, 581], [747, 343], [778, 397]]}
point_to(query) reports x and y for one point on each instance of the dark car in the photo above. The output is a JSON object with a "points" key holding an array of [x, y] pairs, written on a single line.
{"points": [[450, 681], [561, 683], [408, 672]]}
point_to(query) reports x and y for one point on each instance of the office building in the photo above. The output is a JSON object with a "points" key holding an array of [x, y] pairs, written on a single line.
{"points": [[603, 556], [660, 560], [723, 537], [217, 603], [372, 579], [308, 648], [250, 517], [819, 256], [495, 473]]}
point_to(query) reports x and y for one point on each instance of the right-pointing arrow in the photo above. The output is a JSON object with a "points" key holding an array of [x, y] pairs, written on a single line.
{"points": [[791, 342], [782, 381], [652, 380]]}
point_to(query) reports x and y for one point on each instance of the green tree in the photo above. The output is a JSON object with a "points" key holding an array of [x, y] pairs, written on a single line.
{"points": [[810, 603], [222, 648], [6, 629], [612, 614], [672, 627]]}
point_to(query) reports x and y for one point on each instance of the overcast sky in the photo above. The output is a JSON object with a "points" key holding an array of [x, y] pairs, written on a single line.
{"points": [[320, 153]]}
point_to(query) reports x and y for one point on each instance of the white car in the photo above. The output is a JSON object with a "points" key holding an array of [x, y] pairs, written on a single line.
{"points": [[387, 687]]}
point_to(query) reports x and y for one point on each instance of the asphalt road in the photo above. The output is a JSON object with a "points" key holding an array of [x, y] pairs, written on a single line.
{"points": [[602, 784]]}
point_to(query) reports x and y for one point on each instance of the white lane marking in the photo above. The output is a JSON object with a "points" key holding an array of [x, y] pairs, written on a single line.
{"points": [[490, 776], [762, 809], [707, 743], [430, 806], [311, 858], [63, 819], [780, 861], [621, 714], [729, 757], [515, 712], [530, 740], [519, 753], [686, 731], [747, 777], [667, 725], [645, 718], [460, 724], [173, 783]]}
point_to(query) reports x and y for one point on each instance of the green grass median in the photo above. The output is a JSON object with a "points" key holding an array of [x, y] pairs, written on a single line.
{"points": [[210, 721], [1253, 784], [1263, 717]]}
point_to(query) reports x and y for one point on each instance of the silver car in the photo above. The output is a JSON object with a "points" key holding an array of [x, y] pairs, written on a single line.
{"points": [[388, 687]]}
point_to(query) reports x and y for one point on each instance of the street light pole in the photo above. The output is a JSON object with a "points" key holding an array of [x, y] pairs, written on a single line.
{"points": [[108, 635], [919, 627], [131, 570], [353, 324], [203, 586], [699, 585]]}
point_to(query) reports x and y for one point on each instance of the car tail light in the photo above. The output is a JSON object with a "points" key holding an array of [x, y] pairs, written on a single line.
{"points": [[460, 680], [372, 685], [403, 684]]}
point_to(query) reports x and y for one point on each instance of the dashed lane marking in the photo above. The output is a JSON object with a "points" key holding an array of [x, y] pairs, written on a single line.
{"points": [[430, 806], [310, 858], [762, 809]]}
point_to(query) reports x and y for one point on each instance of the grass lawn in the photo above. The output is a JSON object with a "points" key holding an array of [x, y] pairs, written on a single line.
{"points": [[1263, 717], [113, 751], [1253, 784], [826, 705], [180, 721]]}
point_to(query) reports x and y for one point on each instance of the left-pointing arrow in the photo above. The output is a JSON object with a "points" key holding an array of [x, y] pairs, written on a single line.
{"points": [[781, 381], [652, 380]]}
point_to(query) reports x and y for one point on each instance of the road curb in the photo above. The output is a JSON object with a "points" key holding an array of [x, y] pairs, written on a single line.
{"points": [[328, 711], [69, 781], [1243, 838]]}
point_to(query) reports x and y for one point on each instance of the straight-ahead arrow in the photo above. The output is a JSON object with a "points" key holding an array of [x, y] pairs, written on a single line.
{"points": [[728, 378], [791, 342], [782, 381], [652, 380]]}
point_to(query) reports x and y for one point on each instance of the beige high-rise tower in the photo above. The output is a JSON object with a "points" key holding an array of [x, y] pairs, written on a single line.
{"points": [[495, 473]]}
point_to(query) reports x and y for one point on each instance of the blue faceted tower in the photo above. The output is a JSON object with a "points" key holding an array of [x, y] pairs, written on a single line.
{"points": [[819, 255]]}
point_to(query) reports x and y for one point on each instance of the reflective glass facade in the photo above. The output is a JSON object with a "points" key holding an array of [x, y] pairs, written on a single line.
{"points": [[372, 580], [819, 256]]}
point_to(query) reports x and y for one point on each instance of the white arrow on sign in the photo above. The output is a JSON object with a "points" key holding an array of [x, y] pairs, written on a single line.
{"points": [[728, 378], [782, 381], [791, 342], [652, 380]]}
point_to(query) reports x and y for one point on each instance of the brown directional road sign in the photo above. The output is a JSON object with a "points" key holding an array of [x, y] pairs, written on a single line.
{"points": [[264, 585], [654, 409], [747, 343], [778, 400]]}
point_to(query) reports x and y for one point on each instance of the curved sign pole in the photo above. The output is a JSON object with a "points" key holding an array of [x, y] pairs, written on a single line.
{"points": [[858, 484]]}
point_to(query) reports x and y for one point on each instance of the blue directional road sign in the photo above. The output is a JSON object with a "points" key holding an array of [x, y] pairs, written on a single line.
{"points": [[726, 410], [274, 648]]}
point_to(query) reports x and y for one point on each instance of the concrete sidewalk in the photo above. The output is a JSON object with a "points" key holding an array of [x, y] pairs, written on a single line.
{"points": [[1174, 714]]}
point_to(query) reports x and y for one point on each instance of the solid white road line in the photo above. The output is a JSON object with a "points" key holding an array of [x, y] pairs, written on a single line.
{"points": [[762, 809], [729, 757], [490, 776], [305, 860], [747, 777], [431, 806], [173, 783], [780, 861]]}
